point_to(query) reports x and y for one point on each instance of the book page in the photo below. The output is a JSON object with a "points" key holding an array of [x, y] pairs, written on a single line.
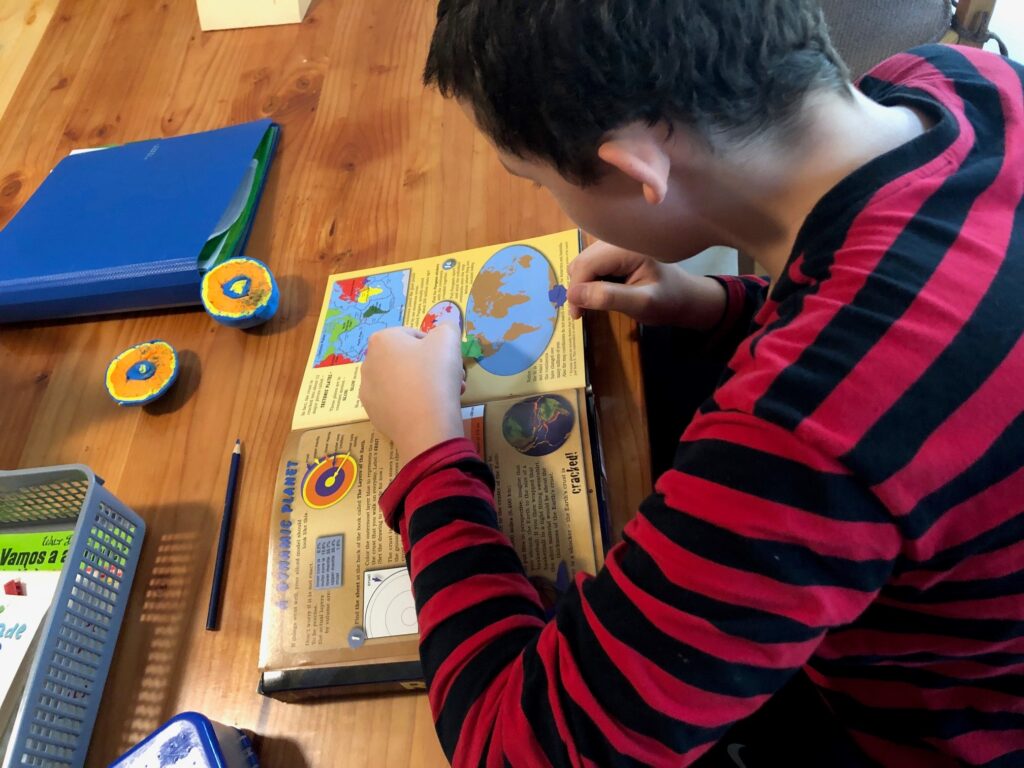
{"points": [[30, 569], [509, 301], [338, 591]]}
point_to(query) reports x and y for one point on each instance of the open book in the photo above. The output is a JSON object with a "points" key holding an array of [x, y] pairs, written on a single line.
{"points": [[339, 615]]}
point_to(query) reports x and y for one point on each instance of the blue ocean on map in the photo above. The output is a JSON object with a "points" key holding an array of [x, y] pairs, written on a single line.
{"points": [[358, 308], [510, 309]]}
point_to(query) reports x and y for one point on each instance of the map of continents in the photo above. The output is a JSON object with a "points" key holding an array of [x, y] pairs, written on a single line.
{"points": [[359, 307], [511, 312]]}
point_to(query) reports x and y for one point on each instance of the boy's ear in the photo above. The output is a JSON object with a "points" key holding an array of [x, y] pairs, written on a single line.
{"points": [[640, 156]]}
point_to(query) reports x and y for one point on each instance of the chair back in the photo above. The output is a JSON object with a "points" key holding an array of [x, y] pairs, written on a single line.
{"points": [[866, 32]]}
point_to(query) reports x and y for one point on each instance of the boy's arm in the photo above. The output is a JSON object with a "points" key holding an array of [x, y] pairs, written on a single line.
{"points": [[607, 278], [729, 577], [744, 297]]}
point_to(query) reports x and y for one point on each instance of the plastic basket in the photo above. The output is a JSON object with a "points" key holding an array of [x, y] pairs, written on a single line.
{"points": [[54, 722]]}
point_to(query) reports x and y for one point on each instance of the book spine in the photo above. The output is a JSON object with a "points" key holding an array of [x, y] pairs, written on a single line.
{"points": [[135, 287], [84, 278]]}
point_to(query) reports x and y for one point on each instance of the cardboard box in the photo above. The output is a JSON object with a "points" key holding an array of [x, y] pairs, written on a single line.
{"points": [[232, 14]]}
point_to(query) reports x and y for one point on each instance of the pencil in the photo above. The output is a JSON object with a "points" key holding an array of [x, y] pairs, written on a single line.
{"points": [[222, 544]]}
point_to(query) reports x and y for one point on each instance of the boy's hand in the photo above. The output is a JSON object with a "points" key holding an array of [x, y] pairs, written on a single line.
{"points": [[410, 387], [607, 277]]}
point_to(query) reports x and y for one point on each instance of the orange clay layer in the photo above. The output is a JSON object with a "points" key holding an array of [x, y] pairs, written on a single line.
{"points": [[226, 293], [160, 354]]}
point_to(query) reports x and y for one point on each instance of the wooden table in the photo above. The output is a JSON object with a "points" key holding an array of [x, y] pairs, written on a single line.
{"points": [[372, 169]]}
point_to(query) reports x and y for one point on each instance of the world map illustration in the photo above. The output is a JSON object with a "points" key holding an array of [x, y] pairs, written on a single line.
{"points": [[441, 313], [512, 308], [359, 307]]}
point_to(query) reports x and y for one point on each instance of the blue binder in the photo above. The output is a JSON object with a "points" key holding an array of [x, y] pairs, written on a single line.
{"points": [[124, 228]]}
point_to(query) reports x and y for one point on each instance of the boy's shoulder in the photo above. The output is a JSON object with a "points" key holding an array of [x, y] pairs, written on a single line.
{"points": [[936, 62], [894, 308]]}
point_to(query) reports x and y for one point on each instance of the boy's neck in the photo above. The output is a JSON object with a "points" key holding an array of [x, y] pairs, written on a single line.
{"points": [[775, 190]]}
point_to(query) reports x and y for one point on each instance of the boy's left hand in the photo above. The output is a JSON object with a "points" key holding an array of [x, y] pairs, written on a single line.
{"points": [[411, 383]]}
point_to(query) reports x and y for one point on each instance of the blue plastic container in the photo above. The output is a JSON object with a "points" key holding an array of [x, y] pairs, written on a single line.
{"points": [[191, 740]]}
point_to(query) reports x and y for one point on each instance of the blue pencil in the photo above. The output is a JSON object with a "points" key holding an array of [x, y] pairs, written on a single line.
{"points": [[222, 545]]}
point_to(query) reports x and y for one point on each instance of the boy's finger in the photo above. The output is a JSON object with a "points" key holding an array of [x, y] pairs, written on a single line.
{"points": [[386, 335], [602, 261], [610, 297], [399, 330], [444, 333]]}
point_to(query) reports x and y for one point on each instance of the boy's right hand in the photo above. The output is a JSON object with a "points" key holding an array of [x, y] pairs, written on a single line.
{"points": [[607, 277]]}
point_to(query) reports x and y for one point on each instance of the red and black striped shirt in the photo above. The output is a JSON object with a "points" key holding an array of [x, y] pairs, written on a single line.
{"points": [[849, 502]]}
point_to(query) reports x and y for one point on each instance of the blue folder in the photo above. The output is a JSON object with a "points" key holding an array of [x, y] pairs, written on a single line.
{"points": [[124, 228]]}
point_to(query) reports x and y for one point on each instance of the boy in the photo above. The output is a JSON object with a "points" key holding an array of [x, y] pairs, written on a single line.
{"points": [[849, 501]]}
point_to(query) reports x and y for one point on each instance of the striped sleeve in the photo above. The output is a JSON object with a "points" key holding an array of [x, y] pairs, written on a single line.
{"points": [[751, 548], [744, 297]]}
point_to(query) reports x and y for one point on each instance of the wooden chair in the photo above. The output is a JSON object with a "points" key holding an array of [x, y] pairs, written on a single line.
{"points": [[867, 31], [970, 25]]}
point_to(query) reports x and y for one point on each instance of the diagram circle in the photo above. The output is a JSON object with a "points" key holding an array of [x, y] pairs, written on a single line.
{"points": [[540, 425], [390, 609], [510, 311], [142, 373], [440, 313], [240, 292], [329, 480]]}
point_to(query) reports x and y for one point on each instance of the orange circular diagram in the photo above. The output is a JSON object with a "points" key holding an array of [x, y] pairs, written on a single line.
{"points": [[142, 373], [329, 480], [241, 292]]}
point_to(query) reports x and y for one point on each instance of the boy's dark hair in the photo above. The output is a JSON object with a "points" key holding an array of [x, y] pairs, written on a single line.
{"points": [[548, 79]]}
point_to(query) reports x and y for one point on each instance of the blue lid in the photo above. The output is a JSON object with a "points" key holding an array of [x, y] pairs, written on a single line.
{"points": [[185, 741]]}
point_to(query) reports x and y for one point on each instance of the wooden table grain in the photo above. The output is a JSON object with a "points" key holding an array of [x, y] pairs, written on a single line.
{"points": [[22, 23], [372, 169]]}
